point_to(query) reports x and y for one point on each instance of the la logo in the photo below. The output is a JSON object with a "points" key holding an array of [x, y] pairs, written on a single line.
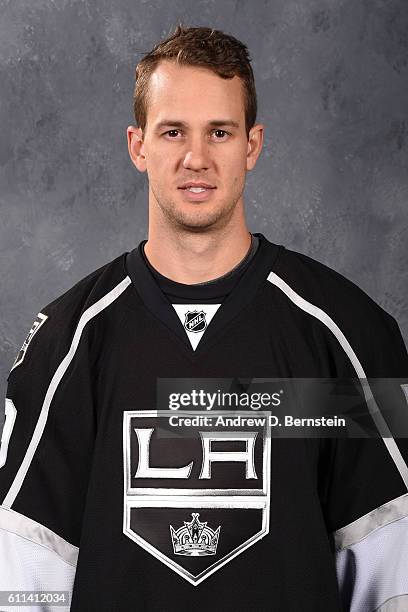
{"points": [[144, 470], [194, 499]]}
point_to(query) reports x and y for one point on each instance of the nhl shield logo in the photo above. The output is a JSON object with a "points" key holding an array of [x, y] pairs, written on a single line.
{"points": [[197, 497], [195, 321]]}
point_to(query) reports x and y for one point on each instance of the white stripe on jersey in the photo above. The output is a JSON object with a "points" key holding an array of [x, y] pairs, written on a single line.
{"points": [[373, 408], [91, 312], [10, 413]]}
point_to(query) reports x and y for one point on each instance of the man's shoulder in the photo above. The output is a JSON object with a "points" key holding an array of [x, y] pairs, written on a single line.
{"points": [[366, 331], [89, 291], [59, 325], [324, 287]]}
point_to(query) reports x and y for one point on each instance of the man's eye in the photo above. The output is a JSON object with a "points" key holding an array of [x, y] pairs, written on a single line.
{"points": [[170, 131], [223, 133]]}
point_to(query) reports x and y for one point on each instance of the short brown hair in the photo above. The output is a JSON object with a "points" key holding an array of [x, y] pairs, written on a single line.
{"points": [[207, 47]]}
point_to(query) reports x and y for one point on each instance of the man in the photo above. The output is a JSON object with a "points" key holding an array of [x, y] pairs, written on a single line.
{"points": [[100, 494]]}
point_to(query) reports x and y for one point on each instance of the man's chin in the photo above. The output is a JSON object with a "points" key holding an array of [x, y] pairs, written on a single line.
{"points": [[197, 217], [194, 226], [197, 222]]}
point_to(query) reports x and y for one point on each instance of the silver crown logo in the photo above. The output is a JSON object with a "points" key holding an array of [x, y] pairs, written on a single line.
{"points": [[194, 539]]}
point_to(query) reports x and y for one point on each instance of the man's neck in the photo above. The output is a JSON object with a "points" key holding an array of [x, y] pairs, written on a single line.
{"points": [[195, 258]]}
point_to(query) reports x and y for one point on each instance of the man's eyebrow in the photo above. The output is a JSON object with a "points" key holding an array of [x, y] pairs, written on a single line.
{"points": [[183, 124]]}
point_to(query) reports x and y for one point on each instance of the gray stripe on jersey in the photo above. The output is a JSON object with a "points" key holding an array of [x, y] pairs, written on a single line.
{"points": [[373, 408], [396, 604], [91, 312], [379, 517], [373, 571], [26, 528], [405, 390]]}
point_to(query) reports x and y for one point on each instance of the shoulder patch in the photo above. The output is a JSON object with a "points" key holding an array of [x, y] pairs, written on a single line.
{"points": [[39, 321]]}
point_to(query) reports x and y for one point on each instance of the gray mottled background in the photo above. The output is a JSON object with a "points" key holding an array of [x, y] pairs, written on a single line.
{"points": [[332, 182]]}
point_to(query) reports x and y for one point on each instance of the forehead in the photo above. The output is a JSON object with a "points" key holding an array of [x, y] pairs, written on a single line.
{"points": [[192, 92]]}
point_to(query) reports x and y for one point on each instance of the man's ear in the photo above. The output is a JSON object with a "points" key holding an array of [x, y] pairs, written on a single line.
{"points": [[136, 147], [255, 142]]}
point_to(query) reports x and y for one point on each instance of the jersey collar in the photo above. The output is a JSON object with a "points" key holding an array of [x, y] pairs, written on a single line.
{"points": [[233, 304]]}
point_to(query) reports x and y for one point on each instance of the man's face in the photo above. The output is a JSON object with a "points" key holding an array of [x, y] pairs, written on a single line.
{"points": [[180, 144]]}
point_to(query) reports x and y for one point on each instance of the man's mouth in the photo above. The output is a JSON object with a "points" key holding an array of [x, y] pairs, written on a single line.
{"points": [[197, 193], [196, 185]]}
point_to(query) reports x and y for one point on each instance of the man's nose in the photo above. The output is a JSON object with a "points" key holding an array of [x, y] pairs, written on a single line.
{"points": [[197, 155]]}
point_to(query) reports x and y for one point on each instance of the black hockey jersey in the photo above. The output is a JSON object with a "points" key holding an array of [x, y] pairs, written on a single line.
{"points": [[104, 499]]}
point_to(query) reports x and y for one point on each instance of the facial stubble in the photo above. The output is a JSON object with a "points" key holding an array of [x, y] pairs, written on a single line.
{"points": [[204, 216]]}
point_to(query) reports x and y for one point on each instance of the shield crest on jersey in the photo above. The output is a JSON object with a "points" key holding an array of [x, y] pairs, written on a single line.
{"points": [[195, 497], [195, 321]]}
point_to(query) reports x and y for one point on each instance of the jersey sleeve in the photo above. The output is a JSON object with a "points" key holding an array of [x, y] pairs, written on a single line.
{"points": [[364, 482], [45, 457]]}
